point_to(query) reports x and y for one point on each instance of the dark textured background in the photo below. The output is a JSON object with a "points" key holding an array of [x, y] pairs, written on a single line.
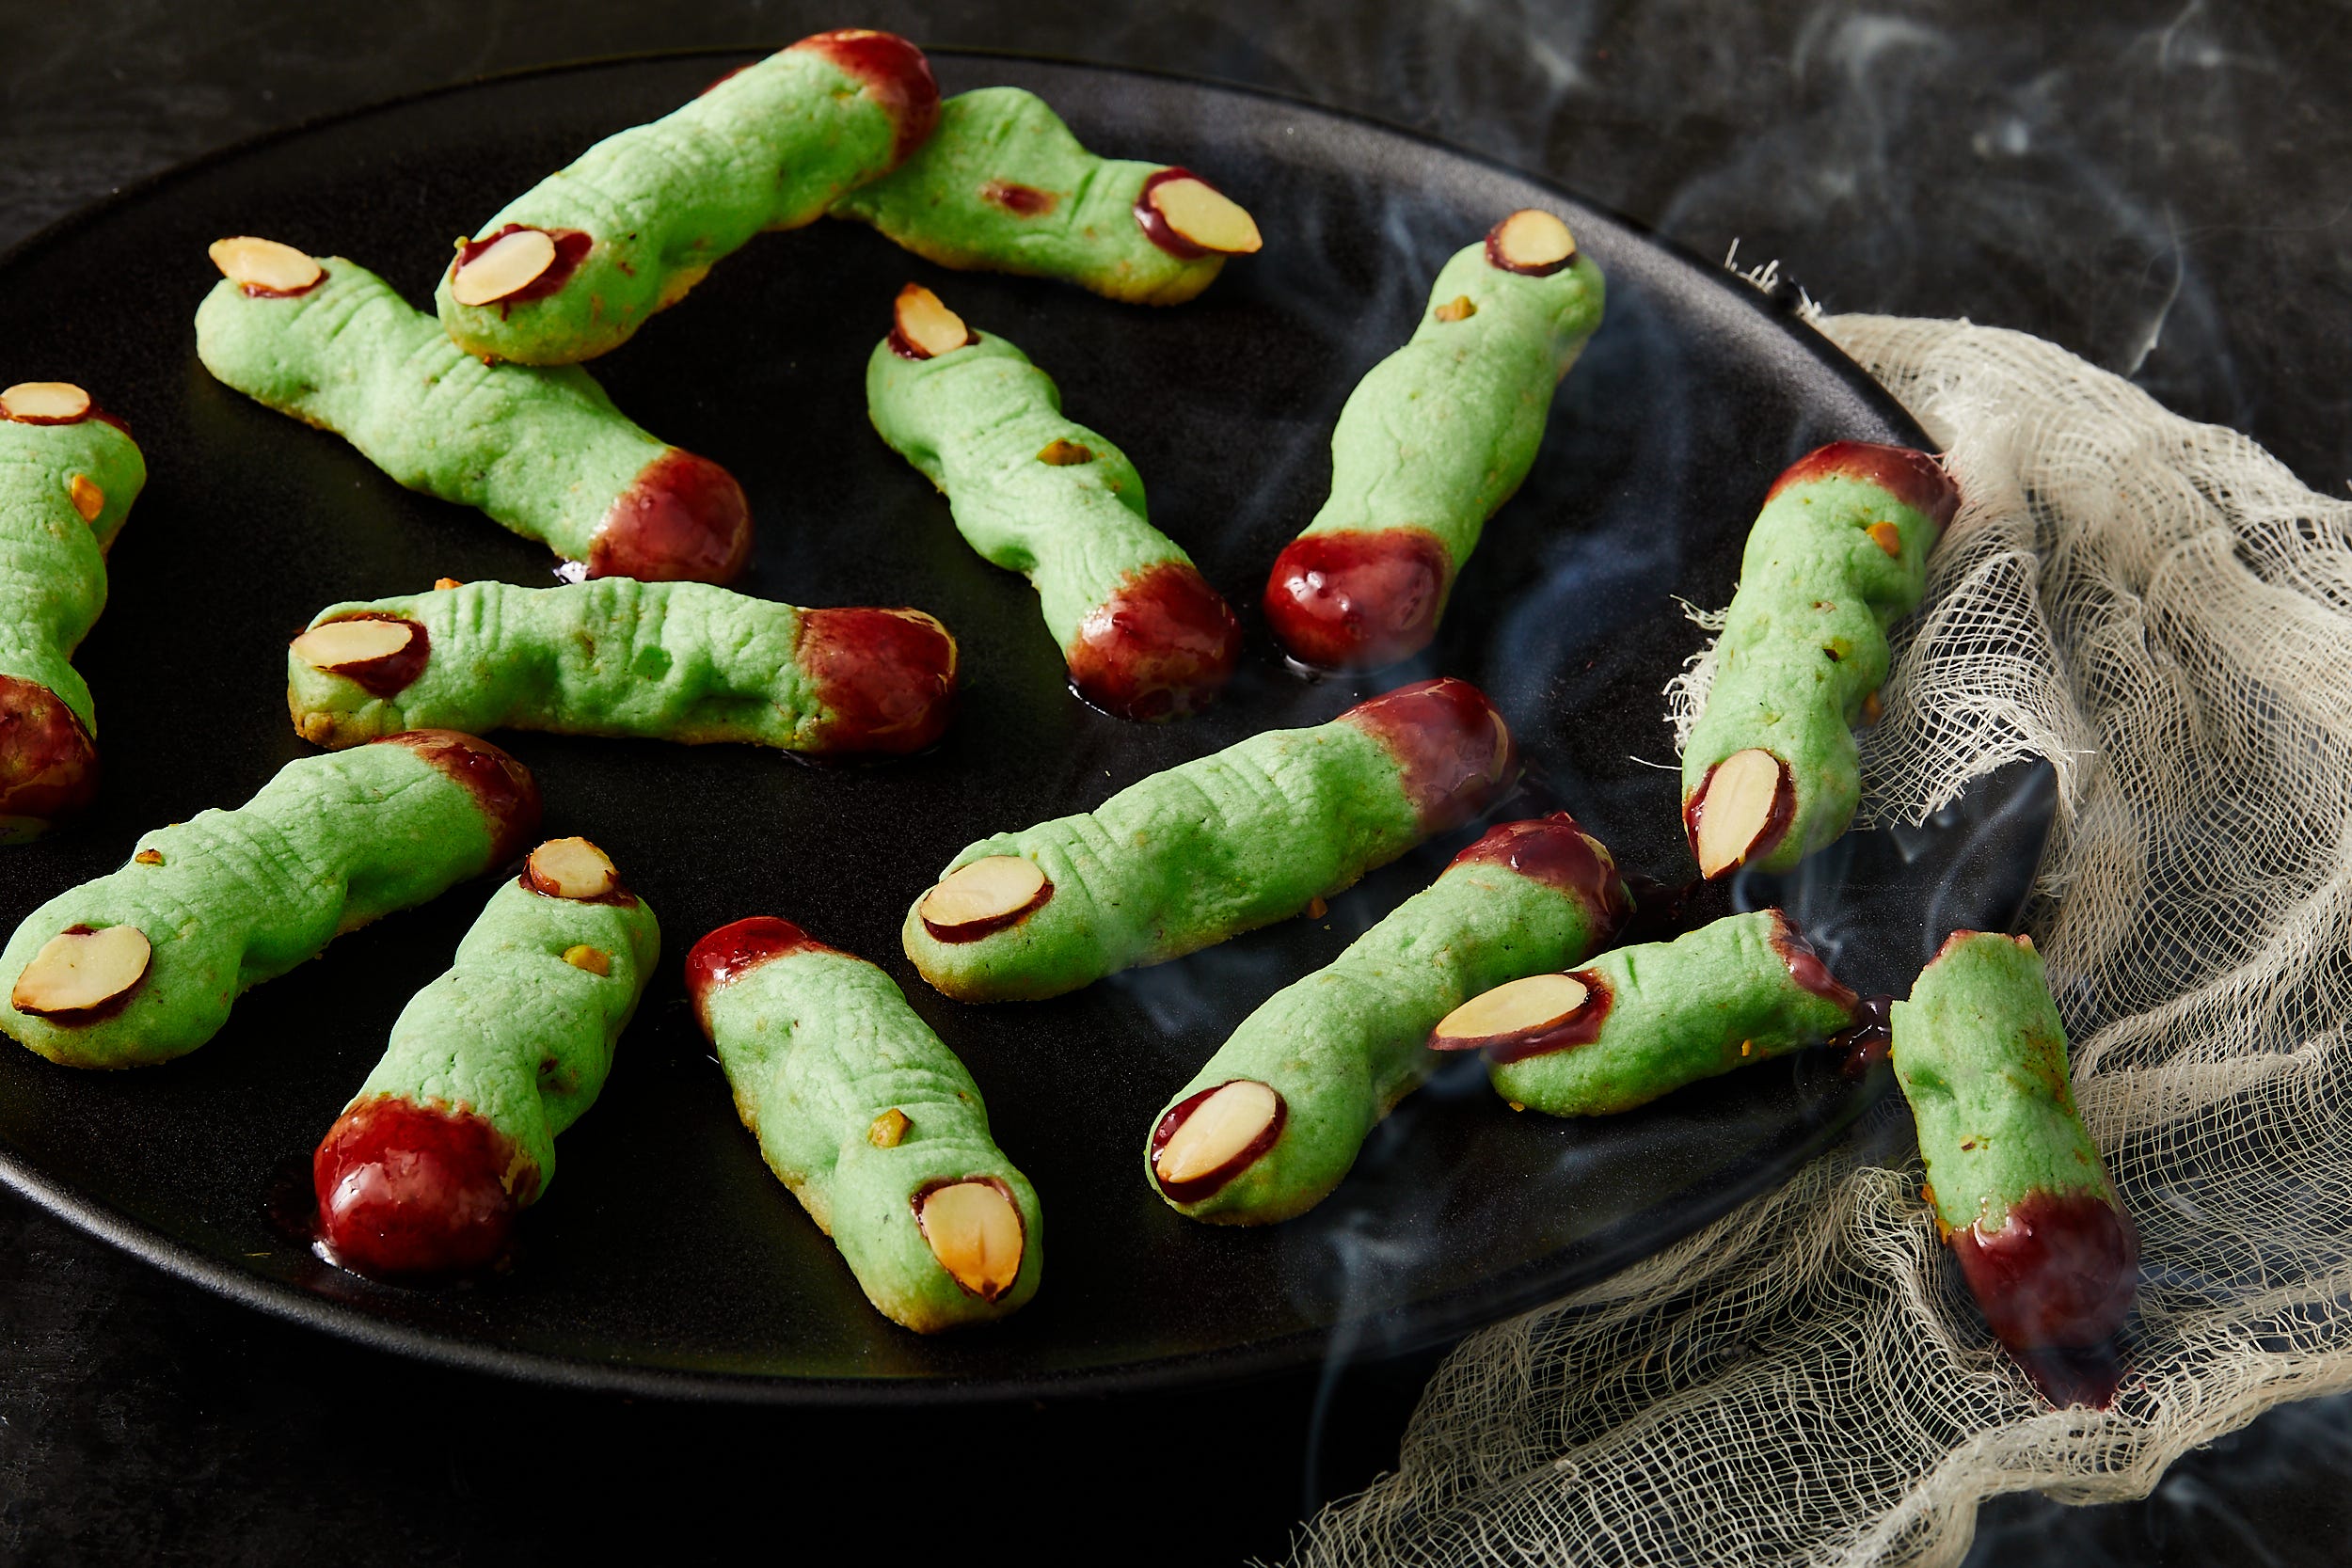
{"points": [[2165, 189]]}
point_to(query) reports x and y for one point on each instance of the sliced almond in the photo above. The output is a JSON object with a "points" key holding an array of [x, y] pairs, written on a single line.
{"points": [[596, 961], [80, 971], [889, 1129], [87, 498], [1061, 454], [1531, 240], [570, 868], [265, 266], [925, 325], [340, 645], [989, 892], [1886, 536], [1201, 212], [1523, 1007], [1025, 201], [1738, 805], [1219, 1131], [1461, 307], [974, 1232], [44, 402], [442, 585], [149, 857], [507, 263]]}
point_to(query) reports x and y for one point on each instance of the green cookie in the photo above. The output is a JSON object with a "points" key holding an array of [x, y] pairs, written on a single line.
{"points": [[572, 268], [68, 477], [1275, 1119], [1839, 552], [679, 661], [1217, 846], [1437, 437], [871, 1122], [230, 898], [1144, 634], [2016, 1182], [543, 452], [1003, 186], [455, 1130], [1654, 1017]]}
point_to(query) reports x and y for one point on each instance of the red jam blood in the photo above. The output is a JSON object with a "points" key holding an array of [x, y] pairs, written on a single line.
{"points": [[1163, 646], [502, 788], [1155, 225], [417, 1192], [2058, 1275], [1581, 1027], [47, 763], [682, 520], [1357, 600], [90, 411], [1204, 1186], [1775, 821], [262, 290], [617, 895], [2073, 1375], [1021, 201], [1453, 751], [1554, 851], [1805, 966], [571, 248], [729, 953], [1911, 477], [886, 678], [395, 672], [1870, 1039], [896, 75]]}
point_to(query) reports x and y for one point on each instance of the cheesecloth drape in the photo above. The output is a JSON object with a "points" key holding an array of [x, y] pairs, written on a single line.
{"points": [[2164, 612]]}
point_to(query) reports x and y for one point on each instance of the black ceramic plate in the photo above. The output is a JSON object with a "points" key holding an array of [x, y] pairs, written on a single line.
{"points": [[665, 1256]]}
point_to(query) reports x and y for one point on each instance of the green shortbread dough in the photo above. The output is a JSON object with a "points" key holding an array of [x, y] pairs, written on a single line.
{"points": [[513, 1032], [1442, 431], [1804, 646], [1182, 858], [53, 569], [230, 898], [770, 147], [1003, 186], [679, 661], [1981, 1056], [1433, 439], [975, 420], [543, 452], [817, 1045], [1345, 1044], [1711, 1000]]}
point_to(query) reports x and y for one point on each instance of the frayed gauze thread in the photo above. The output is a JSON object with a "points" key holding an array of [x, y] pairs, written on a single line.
{"points": [[2161, 610]]}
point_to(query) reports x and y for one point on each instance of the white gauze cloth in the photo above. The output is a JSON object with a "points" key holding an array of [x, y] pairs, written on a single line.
{"points": [[2165, 613]]}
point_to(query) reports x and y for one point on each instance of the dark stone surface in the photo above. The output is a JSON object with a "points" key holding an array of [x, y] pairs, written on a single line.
{"points": [[2164, 188]]}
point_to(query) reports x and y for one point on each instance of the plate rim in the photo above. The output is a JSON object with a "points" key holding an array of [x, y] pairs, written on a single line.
{"points": [[1398, 1330]]}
